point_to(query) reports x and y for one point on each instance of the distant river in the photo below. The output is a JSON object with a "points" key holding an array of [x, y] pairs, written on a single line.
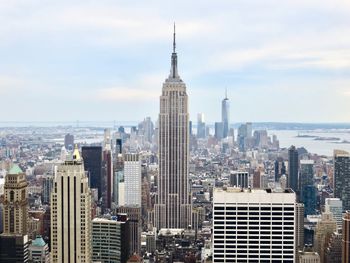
{"points": [[289, 137]]}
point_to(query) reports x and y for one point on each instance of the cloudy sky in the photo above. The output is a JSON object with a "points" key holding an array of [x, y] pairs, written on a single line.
{"points": [[106, 60]]}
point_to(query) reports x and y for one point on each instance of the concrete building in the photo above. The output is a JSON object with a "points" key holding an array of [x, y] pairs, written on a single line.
{"points": [[239, 179], [71, 212], [299, 236], [173, 206], [333, 251], [335, 206], [14, 240], [39, 251], [254, 225], [135, 223], [132, 179], [324, 229], [110, 239], [308, 257]]}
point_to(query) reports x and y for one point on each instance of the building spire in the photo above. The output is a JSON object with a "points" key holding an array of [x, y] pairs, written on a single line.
{"points": [[174, 40], [173, 71]]}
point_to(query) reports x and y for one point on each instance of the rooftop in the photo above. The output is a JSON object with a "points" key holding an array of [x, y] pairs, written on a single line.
{"points": [[15, 170]]}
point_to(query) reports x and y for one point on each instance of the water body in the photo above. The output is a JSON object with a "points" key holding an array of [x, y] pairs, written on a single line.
{"points": [[321, 147]]}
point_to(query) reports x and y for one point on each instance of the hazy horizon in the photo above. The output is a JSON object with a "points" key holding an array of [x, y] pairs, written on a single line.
{"points": [[282, 61]]}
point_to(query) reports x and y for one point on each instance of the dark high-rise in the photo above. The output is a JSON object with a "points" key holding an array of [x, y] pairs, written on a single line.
{"points": [[293, 168], [346, 238], [342, 177], [69, 141], [92, 157]]}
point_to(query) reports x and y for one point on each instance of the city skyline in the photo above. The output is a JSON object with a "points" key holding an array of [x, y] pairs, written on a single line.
{"points": [[103, 58]]}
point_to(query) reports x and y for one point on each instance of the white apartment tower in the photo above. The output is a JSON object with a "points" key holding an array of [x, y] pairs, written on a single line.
{"points": [[132, 179], [173, 206], [254, 225], [71, 213]]}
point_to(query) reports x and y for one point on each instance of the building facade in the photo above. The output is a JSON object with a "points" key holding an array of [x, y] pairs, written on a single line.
{"points": [[293, 169], [110, 239], [341, 177], [254, 225], [173, 205], [225, 116], [71, 213], [132, 179]]}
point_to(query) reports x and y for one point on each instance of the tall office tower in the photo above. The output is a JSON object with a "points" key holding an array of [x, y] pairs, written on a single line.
{"points": [[14, 239], [324, 229], [119, 146], [107, 139], [280, 168], [254, 225], [225, 115], [261, 138], [132, 179], [335, 206], [110, 239], [173, 205], [71, 212], [249, 129], [201, 132], [219, 130], [118, 180], [15, 202], [239, 179], [92, 157], [69, 141], [342, 177], [107, 178], [148, 128], [39, 251], [333, 250], [310, 199], [190, 127], [47, 188], [308, 256], [307, 190], [346, 238], [299, 223], [135, 222], [293, 169]]}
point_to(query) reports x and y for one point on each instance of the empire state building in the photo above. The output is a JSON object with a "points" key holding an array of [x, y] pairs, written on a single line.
{"points": [[173, 206]]}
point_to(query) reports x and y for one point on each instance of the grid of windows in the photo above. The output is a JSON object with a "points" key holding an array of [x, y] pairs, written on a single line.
{"points": [[253, 232]]}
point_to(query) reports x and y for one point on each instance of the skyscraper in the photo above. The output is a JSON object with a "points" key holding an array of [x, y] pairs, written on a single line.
{"points": [[132, 179], [92, 157], [173, 206], [342, 177], [201, 133], [219, 130], [324, 229], [225, 115], [335, 206], [307, 190], [293, 168], [110, 239], [69, 141], [71, 213], [14, 239], [254, 225]]}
